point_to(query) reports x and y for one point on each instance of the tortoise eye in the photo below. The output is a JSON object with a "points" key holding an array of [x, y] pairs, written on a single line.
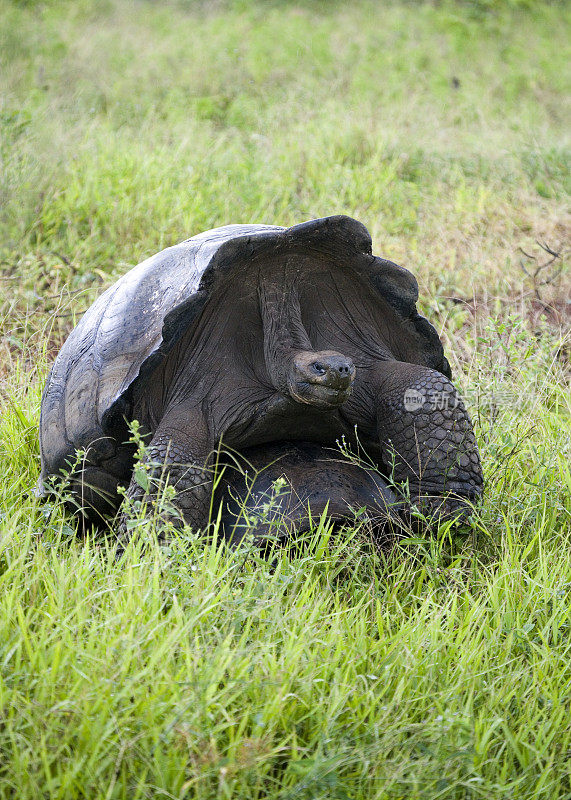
{"points": [[319, 368]]}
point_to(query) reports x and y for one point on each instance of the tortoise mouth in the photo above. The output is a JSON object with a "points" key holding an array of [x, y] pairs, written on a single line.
{"points": [[318, 395]]}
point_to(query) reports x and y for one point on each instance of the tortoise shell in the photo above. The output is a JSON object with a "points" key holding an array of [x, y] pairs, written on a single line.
{"points": [[135, 323]]}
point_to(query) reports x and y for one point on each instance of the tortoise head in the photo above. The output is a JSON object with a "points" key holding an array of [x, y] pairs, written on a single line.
{"points": [[319, 378], [322, 379]]}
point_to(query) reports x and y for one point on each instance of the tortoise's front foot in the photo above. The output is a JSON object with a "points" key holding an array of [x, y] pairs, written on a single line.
{"points": [[428, 439], [172, 485], [175, 494]]}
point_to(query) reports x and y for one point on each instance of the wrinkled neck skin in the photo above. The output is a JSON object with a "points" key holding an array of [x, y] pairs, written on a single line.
{"points": [[284, 333]]}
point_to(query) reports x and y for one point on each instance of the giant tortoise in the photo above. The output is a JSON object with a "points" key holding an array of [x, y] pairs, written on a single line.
{"points": [[252, 336]]}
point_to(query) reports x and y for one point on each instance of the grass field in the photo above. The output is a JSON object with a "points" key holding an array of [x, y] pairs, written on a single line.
{"points": [[440, 669]]}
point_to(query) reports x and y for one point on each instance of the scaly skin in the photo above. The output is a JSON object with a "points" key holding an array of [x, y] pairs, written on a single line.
{"points": [[431, 447], [183, 461]]}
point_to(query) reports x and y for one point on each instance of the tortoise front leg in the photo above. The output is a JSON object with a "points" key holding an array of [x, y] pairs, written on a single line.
{"points": [[425, 432], [178, 453]]}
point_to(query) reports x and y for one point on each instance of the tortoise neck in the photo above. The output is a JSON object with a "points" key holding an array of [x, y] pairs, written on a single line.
{"points": [[284, 333]]}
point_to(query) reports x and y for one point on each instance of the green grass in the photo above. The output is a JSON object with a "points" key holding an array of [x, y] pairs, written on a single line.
{"points": [[440, 669]]}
